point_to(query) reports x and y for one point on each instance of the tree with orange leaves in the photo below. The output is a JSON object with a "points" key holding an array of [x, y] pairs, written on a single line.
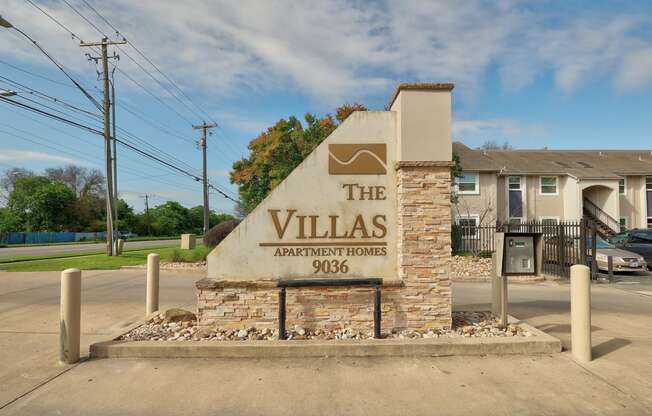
{"points": [[276, 152]]}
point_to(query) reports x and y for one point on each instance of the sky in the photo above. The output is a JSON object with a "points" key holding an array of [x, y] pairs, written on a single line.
{"points": [[574, 74]]}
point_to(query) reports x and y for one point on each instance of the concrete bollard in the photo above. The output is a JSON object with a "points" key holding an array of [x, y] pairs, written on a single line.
{"points": [[581, 313], [151, 303], [495, 287], [70, 317]]}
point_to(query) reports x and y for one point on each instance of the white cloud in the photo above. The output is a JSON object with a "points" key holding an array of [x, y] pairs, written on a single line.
{"points": [[219, 173], [337, 50], [636, 71], [477, 132], [10, 155]]}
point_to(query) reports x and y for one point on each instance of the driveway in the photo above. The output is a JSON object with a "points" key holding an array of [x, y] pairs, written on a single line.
{"points": [[618, 381], [78, 248]]}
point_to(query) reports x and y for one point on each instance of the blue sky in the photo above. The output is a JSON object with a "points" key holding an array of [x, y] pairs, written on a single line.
{"points": [[555, 74]]}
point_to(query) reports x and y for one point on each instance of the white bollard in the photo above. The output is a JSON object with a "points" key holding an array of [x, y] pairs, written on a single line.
{"points": [[152, 283], [581, 313], [70, 317]]}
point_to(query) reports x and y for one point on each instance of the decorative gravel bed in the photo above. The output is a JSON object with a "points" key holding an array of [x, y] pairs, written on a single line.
{"points": [[181, 326]]}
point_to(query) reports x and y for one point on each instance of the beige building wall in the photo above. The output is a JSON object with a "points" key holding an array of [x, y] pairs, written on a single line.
{"points": [[632, 203], [572, 206], [539, 205], [484, 204]]}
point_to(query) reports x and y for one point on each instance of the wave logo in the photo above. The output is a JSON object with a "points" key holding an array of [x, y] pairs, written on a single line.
{"points": [[357, 159]]}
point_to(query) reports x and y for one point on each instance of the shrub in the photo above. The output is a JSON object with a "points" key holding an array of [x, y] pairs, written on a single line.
{"points": [[199, 254], [218, 233], [176, 256]]}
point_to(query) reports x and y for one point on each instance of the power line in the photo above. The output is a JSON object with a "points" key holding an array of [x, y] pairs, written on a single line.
{"points": [[61, 68], [31, 90], [54, 81], [122, 142], [202, 113]]}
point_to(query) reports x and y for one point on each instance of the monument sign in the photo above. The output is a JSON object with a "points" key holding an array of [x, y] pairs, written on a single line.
{"points": [[372, 200]]}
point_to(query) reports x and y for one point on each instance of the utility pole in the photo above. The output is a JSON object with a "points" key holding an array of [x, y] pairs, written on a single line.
{"points": [[104, 44], [149, 231], [115, 166], [202, 144]]}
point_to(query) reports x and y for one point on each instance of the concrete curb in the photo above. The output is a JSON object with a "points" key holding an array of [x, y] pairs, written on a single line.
{"points": [[538, 343]]}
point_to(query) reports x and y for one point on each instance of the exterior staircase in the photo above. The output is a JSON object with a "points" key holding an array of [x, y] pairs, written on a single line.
{"points": [[606, 225]]}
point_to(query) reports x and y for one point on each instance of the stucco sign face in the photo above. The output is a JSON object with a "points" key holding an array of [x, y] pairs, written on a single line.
{"points": [[334, 216]]}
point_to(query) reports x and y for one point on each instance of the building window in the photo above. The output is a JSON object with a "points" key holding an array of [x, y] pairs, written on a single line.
{"points": [[623, 223], [514, 183], [648, 183], [468, 226], [622, 186], [549, 220], [548, 185], [468, 183]]}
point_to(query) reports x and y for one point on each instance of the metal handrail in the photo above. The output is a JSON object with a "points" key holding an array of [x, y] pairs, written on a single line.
{"points": [[601, 216]]}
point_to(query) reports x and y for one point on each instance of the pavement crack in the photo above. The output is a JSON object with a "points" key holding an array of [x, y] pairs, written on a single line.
{"points": [[39, 385]]}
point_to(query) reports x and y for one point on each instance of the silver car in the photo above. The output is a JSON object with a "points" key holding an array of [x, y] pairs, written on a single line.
{"points": [[623, 260]]}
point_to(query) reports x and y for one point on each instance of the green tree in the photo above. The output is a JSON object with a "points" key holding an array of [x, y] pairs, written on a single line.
{"points": [[170, 218], [127, 220], [41, 204], [276, 152]]}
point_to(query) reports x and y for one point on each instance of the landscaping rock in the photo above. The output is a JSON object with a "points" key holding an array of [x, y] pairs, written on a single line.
{"points": [[465, 324], [179, 315]]}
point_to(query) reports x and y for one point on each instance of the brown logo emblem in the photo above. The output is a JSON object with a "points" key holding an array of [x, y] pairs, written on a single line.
{"points": [[357, 159]]}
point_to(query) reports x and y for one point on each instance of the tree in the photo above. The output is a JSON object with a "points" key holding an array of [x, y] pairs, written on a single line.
{"points": [[493, 145], [82, 181], [276, 152], [127, 220], [40, 204], [9, 178], [170, 218]]}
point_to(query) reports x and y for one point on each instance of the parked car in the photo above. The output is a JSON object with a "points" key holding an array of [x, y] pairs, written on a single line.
{"points": [[623, 260], [125, 235], [638, 241]]}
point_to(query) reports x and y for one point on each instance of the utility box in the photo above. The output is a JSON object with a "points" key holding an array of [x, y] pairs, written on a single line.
{"points": [[188, 241], [519, 253]]}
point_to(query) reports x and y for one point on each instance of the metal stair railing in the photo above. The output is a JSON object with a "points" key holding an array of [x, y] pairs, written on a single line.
{"points": [[610, 224]]}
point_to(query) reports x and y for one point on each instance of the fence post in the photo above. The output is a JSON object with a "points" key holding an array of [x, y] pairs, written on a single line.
{"points": [[151, 303], [70, 316], [581, 313]]}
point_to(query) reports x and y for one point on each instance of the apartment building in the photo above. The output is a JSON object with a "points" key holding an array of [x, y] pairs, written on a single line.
{"points": [[612, 186]]}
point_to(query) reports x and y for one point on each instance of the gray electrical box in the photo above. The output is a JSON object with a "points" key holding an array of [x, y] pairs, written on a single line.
{"points": [[519, 254]]}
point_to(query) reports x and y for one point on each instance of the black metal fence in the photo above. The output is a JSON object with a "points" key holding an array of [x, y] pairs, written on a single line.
{"points": [[564, 243]]}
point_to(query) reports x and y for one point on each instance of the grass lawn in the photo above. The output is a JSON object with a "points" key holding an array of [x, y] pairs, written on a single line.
{"points": [[102, 261]]}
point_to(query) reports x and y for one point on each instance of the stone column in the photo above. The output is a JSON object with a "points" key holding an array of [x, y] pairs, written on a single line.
{"points": [[424, 242]]}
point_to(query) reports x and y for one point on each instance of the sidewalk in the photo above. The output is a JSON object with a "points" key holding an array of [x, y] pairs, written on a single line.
{"points": [[618, 381]]}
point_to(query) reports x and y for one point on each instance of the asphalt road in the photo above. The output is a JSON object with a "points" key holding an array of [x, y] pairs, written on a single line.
{"points": [[77, 248], [617, 382]]}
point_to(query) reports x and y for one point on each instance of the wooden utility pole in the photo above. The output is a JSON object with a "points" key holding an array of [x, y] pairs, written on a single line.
{"points": [[149, 231], [202, 144], [115, 166], [106, 107]]}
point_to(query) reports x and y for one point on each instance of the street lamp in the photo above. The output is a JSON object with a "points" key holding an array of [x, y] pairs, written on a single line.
{"points": [[7, 93]]}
